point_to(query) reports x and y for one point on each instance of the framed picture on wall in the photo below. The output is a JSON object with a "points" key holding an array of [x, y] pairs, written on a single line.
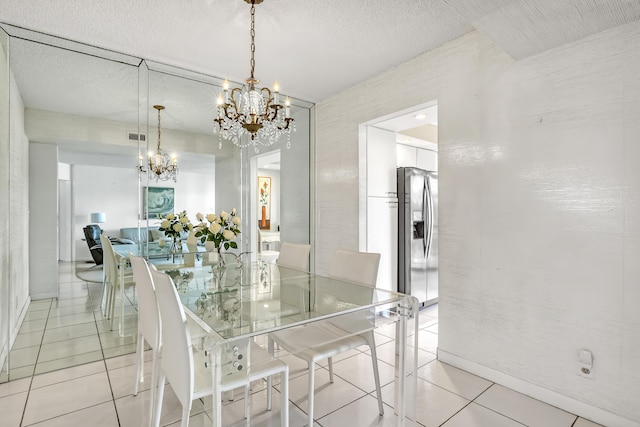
{"points": [[264, 202], [157, 200]]}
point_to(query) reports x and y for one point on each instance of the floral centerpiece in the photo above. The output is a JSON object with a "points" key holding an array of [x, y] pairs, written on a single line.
{"points": [[221, 230], [173, 226]]}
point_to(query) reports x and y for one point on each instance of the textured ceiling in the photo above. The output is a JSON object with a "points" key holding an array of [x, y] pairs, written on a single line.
{"points": [[527, 27], [314, 48]]}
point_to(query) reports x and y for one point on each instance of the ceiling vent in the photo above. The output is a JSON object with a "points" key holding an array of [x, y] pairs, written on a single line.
{"points": [[132, 136]]}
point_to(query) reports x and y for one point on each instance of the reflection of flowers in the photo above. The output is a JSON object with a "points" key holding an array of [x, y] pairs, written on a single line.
{"points": [[224, 305], [221, 230], [264, 276], [180, 280], [264, 193], [173, 225], [230, 309]]}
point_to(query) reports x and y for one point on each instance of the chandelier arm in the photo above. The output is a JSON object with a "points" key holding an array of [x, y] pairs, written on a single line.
{"points": [[269, 97], [287, 121], [230, 115], [232, 102]]}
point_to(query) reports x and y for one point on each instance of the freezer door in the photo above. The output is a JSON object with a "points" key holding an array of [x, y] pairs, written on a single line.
{"points": [[418, 234], [432, 228]]}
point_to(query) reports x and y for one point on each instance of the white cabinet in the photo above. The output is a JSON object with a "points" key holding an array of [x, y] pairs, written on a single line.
{"points": [[427, 160], [382, 238], [407, 156], [381, 162]]}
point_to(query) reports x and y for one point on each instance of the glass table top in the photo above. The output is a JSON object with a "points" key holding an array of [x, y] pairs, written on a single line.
{"points": [[153, 250], [255, 298]]}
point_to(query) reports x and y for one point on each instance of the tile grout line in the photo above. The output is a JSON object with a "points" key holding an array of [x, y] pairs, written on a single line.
{"points": [[26, 401], [104, 360]]}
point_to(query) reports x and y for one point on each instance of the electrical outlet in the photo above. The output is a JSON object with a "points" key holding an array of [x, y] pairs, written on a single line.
{"points": [[585, 372], [585, 364]]}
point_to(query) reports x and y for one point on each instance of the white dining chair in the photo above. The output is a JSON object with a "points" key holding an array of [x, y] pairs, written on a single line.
{"points": [[323, 340], [149, 326], [113, 280], [294, 255], [186, 370]]}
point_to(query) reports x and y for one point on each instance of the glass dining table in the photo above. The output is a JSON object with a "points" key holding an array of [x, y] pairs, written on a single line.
{"points": [[242, 302]]}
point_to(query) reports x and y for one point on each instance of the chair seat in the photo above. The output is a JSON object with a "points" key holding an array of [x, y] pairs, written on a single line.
{"points": [[317, 341], [269, 256], [262, 365]]}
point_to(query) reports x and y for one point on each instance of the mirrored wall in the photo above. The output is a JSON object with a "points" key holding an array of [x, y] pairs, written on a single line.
{"points": [[77, 125]]}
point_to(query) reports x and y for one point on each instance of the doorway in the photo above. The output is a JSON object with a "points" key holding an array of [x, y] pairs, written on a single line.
{"points": [[265, 196], [407, 138]]}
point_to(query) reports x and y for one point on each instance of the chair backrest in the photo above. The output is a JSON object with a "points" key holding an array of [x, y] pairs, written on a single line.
{"points": [[110, 266], [92, 234], [177, 359], [356, 267], [294, 255], [148, 315]]}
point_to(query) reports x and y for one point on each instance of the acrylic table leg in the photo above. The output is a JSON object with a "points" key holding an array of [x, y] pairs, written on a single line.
{"points": [[123, 265], [216, 375], [406, 383]]}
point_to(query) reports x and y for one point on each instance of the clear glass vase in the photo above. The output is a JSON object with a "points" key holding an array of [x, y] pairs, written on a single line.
{"points": [[176, 245]]}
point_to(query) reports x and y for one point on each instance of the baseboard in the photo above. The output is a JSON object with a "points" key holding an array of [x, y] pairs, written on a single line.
{"points": [[556, 399], [4, 352], [19, 320], [44, 295]]}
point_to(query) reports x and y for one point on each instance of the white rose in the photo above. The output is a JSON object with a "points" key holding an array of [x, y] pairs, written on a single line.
{"points": [[199, 216], [190, 227], [224, 215], [171, 217], [228, 234], [165, 224], [233, 211], [184, 220], [161, 243], [215, 228], [211, 217], [236, 220], [178, 227]]}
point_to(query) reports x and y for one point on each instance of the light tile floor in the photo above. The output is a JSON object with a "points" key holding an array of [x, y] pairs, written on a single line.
{"points": [[73, 371]]}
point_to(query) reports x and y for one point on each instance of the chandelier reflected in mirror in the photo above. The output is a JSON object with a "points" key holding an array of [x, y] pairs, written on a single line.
{"points": [[161, 166], [251, 110]]}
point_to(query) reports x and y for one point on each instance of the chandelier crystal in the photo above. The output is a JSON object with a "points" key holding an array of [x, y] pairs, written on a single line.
{"points": [[251, 110], [161, 166]]}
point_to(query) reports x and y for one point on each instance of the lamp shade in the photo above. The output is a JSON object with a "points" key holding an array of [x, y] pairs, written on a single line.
{"points": [[98, 217]]}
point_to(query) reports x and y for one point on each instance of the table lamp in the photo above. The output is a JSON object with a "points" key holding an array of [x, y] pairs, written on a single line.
{"points": [[98, 217]]}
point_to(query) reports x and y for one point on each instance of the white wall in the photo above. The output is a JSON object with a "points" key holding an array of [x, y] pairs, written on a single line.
{"points": [[295, 188], [43, 221], [114, 191], [111, 190], [539, 209], [19, 212], [5, 317]]}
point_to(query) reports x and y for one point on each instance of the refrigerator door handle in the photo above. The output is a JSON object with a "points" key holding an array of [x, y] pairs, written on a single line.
{"points": [[430, 228], [424, 215]]}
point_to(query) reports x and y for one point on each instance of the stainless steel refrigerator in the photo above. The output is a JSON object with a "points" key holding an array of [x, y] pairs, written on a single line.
{"points": [[418, 234]]}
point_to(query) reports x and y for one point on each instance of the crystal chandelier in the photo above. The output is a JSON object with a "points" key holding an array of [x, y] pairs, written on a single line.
{"points": [[251, 110], [161, 166]]}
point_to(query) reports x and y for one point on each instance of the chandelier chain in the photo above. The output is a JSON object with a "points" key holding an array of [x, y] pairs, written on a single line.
{"points": [[253, 38], [158, 150]]}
